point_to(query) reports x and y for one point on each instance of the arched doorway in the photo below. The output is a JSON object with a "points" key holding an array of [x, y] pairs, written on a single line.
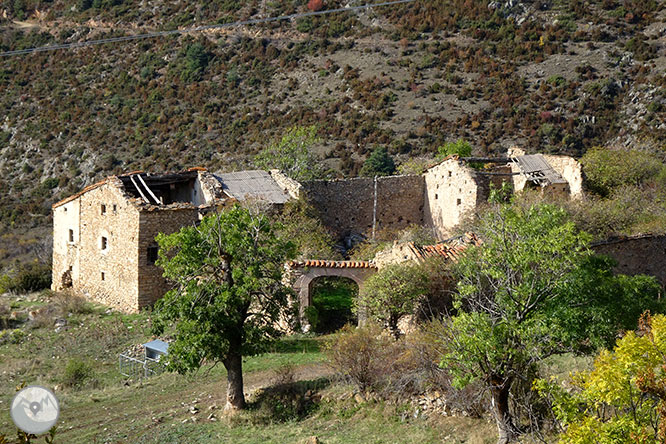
{"points": [[332, 298]]}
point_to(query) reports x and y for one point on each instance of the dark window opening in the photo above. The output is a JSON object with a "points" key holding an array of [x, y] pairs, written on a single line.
{"points": [[71, 268], [103, 209], [435, 196], [71, 235], [449, 173], [458, 201], [152, 254], [115, 208], [105, 243], [103, 275]]}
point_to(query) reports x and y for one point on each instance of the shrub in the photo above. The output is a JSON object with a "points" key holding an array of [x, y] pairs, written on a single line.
{"points": [[78, 373], [360, 356], [32, 277], [608, 169], [378, 163]]}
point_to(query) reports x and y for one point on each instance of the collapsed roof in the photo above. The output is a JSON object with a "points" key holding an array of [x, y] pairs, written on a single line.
{"points": [[253, 184]]}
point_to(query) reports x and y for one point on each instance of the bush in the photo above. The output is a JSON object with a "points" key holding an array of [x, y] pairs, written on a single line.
{"points": [[360, 356], [608, 169], [78, 374], [379, 163], [32, 277]]}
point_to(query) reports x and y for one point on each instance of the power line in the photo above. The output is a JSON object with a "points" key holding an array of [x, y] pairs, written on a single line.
{"points": [[198, 28]]}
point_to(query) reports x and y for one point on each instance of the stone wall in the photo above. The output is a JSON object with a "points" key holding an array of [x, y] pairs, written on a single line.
{"points": [[151, 284], [637, 255], [346, 205], [66, 242], [452, 191], [108, 269], [568, 167]]}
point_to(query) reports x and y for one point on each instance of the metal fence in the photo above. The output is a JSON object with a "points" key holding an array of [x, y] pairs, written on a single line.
{"points": [[138, 368]]}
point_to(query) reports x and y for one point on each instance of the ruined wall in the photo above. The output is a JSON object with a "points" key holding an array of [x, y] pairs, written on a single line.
{"points": [[346, 205], [451, 192], [65, 243], [568, 167], [151, 284], [289, 185], [637, 255], [108, 275]]}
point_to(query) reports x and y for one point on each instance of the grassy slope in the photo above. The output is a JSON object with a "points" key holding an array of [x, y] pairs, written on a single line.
{"points": [[156, 410]]}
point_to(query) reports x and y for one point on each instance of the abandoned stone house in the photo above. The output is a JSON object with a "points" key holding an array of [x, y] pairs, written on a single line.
{"points": [[104, 236]]}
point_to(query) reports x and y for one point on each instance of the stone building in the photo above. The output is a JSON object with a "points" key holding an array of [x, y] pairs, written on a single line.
{"points": [[104, 236]]}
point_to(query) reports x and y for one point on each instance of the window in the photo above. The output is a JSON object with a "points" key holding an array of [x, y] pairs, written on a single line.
{"points": [[103, 209], [71, 268], [115, 208], [104, 243], [71, 235], [435, 196], [458, 201], [152, 254], [103, 276], [449, 173]]}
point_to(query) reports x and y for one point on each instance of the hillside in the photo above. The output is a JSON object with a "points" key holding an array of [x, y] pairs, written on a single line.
{"points": [[549, 76]]}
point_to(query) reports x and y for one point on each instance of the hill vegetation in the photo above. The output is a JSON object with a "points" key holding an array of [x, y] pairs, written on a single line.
{"points": [[550, 76]]}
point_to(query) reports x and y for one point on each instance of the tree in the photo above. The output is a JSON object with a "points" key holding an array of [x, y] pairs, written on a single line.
{"points": [[227, 296], [293, 154], [378, 163], [531, 290], [459, 148], [623, 399], [394, 291]]}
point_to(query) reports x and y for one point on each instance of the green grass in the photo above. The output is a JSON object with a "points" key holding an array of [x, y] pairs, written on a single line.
{"points": [[156, 410]]}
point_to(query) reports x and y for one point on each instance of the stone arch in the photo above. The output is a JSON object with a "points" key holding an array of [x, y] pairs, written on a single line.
{"points": [[303, 274]]}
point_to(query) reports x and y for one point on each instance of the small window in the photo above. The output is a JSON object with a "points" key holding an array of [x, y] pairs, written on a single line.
{"points": [[449, 173], [458, 201], [115, 208], [71, 268], [103, 276], [105, 243], [152, 254], [435, 196], [65, 208], [71, 235], [103, 209]]}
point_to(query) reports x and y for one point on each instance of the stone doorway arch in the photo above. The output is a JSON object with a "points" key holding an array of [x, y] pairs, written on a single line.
{"points": [[303, 273]]}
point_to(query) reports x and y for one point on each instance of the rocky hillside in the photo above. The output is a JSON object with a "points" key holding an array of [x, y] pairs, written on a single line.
{"points": [[547, 75]]}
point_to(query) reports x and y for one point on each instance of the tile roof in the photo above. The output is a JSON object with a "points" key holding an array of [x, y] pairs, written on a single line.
{"points": [[310, 263], [449, 249]]}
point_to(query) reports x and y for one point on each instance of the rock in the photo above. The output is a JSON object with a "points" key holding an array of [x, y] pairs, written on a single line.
{"points": [[312, 440], [212, 417], [194, 410], [359, 398]]}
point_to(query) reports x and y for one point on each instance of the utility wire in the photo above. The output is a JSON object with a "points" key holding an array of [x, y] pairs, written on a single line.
{"points": [[198, 29]]}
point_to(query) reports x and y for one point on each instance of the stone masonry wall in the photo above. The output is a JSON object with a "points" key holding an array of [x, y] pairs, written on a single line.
{"points": [[151, 284], [65, 243], [637, 255], [108, 275], [346, 205], [451, 193]]}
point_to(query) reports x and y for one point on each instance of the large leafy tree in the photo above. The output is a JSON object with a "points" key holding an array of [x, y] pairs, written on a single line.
{"points": [[227, 294], [293, 154], [532, 290]]}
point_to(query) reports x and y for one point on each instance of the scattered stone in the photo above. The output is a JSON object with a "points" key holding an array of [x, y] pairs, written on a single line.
{"points": [[359, 398], [194, 410], [313, 440]]}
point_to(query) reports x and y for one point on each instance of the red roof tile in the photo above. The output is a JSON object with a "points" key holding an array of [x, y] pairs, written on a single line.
{"points": [[310, 263]]}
